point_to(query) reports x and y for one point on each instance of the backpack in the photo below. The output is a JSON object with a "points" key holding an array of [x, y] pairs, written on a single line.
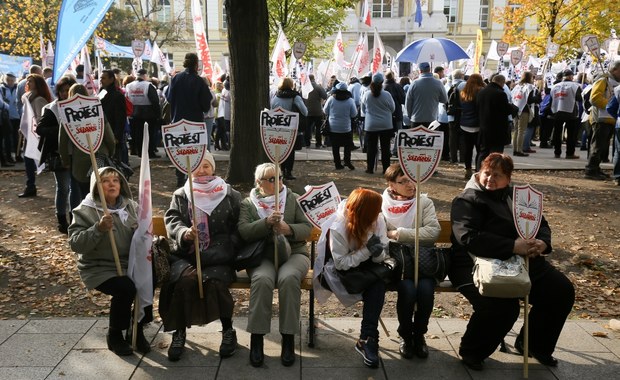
{"points": [[453, 107]]}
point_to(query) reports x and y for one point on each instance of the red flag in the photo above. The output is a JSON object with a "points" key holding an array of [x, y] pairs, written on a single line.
{"points": [[202, 47], [365, 13]]}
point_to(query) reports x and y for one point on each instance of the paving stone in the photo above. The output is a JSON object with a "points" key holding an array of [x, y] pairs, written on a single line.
{"points": [[344, 373], [185, 373], [25, 373], [95, 364], [36, 350], [58, 326], [9, 327]]}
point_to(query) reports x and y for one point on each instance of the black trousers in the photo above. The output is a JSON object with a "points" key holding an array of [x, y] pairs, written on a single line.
{"points": [[384, 138], [471, 142], [339, 140], [552, 297], [137, 132], [313, 125], [455, 142], [571, 136], [123, 292], [287, 165]]}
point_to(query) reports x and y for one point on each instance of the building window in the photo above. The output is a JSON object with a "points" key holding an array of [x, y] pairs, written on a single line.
{"points": [[484, 14], [224, 16], [450, 10], [165, 11], [382, 8]]}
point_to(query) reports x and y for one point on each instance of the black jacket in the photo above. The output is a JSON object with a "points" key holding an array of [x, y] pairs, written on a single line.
{"points": [[113, 104], [398, 94], [189, 96], [483, 225], [493, 112]]}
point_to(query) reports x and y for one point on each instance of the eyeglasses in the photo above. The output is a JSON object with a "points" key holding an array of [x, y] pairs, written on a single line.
{"points": [[405, 182], [271, 180]]}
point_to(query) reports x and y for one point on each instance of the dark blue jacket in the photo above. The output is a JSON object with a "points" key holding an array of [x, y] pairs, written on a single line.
{"points": [[189, 96]]}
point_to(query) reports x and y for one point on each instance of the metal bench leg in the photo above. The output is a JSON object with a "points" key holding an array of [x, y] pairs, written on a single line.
{"points": [[311, 327]]}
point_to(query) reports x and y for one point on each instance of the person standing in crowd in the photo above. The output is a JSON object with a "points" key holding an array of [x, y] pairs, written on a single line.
{"points": [[455, 136], [612, 108], [358, 239], [78, 162], [340, 109], [564, 107], [8, 90], [440, 72], [37, 95], [288, 99], [113, 103], [48, 129], [424, 96], [221, 138], [217, 212], [494, 108], [412, 321], [259, 220], [88, 237], [378, 107], [315, 113], [143, 96], [398, 95], [470, 120], [523, 95], [483, 225], [189, 97], [209, 116], [602, 123]]}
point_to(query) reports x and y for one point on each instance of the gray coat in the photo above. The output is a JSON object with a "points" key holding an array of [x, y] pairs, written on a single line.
{"points": [[253, 228], [94, 251]]}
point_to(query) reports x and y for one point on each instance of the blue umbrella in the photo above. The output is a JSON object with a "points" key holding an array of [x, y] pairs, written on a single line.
{"points": [[431, 50]]}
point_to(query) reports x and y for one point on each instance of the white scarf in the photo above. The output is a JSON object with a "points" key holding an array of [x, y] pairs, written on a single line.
{"points": [[208, 192], [265, 206], [396, 212], [121, 212]]}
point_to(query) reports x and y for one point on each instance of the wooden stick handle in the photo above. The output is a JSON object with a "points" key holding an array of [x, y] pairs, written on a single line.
{"points": [[134, 331], [276, 190], [104, 205], [194, 223], [385, 330]]}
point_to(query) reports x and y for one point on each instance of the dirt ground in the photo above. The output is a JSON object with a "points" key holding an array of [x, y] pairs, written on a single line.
{"points": [[38, 275]]}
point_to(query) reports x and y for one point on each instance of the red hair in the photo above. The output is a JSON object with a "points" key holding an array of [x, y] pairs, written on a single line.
{"points": [[363, 207]]}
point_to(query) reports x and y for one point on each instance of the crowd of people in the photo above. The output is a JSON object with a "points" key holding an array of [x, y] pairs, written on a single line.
{"points": [[484, 115]]}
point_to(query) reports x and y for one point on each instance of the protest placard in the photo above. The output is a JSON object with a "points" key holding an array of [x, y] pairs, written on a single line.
{"points": [[319, 202]]}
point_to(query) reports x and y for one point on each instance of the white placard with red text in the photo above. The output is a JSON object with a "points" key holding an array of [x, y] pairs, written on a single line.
{"points": [[421, 147], [516, 56], [278, 133], [83, 115], [502, 48], [527, 209], [319, 202], [185, 139], [589, 44]]}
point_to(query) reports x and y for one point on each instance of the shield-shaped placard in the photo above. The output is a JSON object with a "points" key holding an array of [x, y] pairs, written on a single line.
{"points": [[516, 56], [527, 208], [278, 133], [419, 147], [319, 203], [552, 49], [185, 139], [589, 44], [299, 49], [82, 116], [502, 48], [138, 47]]}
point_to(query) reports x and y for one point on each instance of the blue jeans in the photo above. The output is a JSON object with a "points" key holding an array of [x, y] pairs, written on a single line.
{"points": [[616, 160], [373, 299], [408, 296], [527, 140], [63, 188], [209, 123]]}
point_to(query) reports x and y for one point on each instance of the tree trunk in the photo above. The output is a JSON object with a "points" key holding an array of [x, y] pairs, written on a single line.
{"points": [[248, 41]]}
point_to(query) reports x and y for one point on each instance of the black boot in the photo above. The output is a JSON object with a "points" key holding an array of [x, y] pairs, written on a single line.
{"points": [[177, 346], [117, 344], [63, 225], [28, 192], [420, 349], [287, 356], [142, 345], [257, 357], [5, 163]]}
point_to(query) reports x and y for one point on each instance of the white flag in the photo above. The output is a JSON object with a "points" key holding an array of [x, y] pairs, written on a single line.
{"points": [[140, 269], [306, 86], [338, 50], [26, 126], [363, 60], [89, 81], [492, 54], [278, 56], [159, 58], [202, 47], [378, 53]]}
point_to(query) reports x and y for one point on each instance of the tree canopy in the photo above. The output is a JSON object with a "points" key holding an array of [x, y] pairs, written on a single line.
{"points": [[563, 22], [307, 21]]}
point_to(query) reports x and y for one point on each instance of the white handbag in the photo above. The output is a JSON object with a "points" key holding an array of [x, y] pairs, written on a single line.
{"points": [[501, 278]]}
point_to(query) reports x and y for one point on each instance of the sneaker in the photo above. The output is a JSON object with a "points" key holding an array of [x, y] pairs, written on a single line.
{"points": [[350, 166], [229, 343], [520, 154], [339, 167], [406, 348], [177, 346], [369, 349]]}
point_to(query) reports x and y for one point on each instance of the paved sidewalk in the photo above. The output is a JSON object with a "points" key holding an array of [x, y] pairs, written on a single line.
{"points": [[76, 349]]}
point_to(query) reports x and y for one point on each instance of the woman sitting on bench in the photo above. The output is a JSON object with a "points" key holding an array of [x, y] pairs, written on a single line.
{"points": [[217, 213], [259, 220], [399, 209]]}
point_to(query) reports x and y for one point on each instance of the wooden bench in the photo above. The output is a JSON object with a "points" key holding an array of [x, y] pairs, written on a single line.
{"points": [[243, 281]]}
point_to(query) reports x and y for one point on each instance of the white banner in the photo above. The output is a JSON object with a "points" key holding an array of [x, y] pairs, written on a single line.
{"points": [[419, 148], [319, 202]]}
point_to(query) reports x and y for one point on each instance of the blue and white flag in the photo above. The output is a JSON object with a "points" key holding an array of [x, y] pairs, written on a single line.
{"points": [[418, 13], [77, 21]]}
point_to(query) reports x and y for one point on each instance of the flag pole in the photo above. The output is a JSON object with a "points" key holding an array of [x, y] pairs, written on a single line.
{"points": [[104, 205], [417, 230], [526, 324], [276, 193], [194, 223]]}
